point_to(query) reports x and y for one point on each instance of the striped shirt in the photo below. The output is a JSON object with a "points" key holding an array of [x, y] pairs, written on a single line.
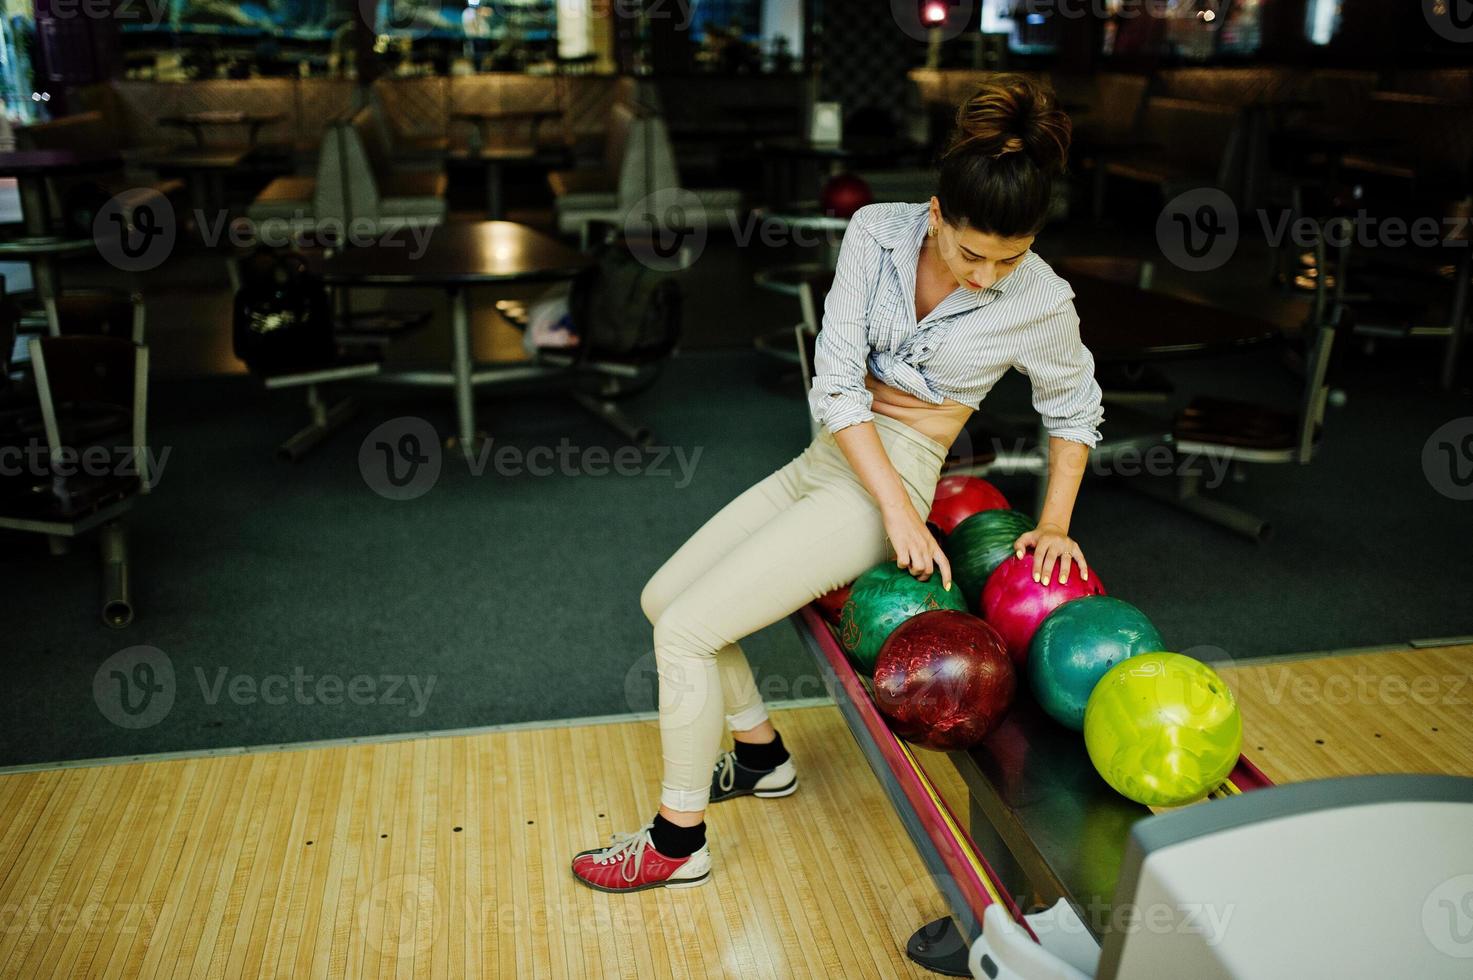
{"points": [[1025, 320]]}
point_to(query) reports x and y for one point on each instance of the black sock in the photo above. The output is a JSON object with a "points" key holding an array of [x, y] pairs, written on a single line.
{"points": [[675, 841], [768, 755]]}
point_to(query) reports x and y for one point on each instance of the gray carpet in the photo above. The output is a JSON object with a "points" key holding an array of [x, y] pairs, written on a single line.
{"points": [[506, 598], [516, 596]]}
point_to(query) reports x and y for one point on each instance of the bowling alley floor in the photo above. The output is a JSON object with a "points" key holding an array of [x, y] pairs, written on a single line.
{"points": [[448, 857]]}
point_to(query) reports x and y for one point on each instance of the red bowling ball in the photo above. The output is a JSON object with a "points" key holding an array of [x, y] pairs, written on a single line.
{"points": [[843, 194], [1016, 606], [959, 497], [944, 680], [831, 604]]}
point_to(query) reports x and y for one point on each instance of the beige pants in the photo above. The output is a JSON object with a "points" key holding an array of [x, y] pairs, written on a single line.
{"points": [[803, 531]]}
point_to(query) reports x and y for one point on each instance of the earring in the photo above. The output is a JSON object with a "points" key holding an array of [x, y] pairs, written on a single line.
{"points": [[931, 231]]}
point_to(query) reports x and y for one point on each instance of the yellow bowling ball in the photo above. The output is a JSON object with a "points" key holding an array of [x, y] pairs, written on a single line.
{"points": [[1163, 729]]}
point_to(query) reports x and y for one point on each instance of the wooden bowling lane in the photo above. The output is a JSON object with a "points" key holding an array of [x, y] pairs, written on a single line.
{"points": [[448, 857], [1397, 710]]}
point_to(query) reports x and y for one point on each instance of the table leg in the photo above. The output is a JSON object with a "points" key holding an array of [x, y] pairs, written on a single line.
{"points": [[493, 190], [1459, 317], [43, 272], [33, 204], [465, 409]]}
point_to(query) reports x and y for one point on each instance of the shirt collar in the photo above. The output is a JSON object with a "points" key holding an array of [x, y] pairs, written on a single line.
{"points": [[904, 239]]}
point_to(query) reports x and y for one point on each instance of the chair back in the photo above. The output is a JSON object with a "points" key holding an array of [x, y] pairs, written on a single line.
{"points": [[648, 164], [78, 375], [1328, 316]]}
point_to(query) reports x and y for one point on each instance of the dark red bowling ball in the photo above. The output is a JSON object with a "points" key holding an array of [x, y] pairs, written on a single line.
{"points": [[944, 680], [843, 194], [959, 497], [1016, 606], [831, 604]]}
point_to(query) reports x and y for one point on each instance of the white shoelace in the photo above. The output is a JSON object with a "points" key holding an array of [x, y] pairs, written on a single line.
{"points": [[628, 848], [726, 771]]}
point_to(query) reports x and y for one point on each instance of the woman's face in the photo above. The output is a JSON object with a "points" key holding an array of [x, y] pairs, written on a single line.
{"points": [[976, 259]]}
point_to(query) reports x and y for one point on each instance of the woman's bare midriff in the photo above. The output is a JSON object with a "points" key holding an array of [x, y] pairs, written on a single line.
{"points": [[941, 422]]}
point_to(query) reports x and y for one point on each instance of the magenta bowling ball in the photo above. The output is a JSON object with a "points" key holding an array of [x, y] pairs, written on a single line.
{"points": [[1016, 606]]}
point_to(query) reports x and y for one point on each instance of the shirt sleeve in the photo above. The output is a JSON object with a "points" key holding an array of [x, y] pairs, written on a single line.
{"points": [[1062, 371], [838, 397]]}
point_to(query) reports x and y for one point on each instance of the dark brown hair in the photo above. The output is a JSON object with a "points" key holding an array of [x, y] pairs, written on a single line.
{"points": [[1010, 143]]}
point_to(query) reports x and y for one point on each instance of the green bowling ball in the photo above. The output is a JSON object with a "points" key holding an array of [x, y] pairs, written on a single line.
{"points": [[1163, 729], [979, 544], [881, 599], [1074, 647]]}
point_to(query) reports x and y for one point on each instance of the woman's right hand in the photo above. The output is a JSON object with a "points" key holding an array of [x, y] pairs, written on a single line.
{"points": [[915, 547]]}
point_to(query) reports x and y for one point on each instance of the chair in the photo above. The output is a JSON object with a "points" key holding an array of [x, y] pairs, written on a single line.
{"points": [[1238, 432], [355, 183], [596, 376], [90, 132], [637, 162], [90, 400], [1181, 145]]}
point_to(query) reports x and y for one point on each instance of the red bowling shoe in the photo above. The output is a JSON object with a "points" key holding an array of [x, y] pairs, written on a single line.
{"points": [[631, 864]]}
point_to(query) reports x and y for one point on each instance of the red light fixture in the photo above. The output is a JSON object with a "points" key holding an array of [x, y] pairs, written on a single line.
{"points": [[933, 12]]}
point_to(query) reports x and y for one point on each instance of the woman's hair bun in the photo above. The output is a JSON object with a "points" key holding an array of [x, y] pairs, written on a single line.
{"points": [[1013, 114]]}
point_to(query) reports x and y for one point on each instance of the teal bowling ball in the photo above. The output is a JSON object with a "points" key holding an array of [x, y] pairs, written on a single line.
{"points": [[1077, 643]]}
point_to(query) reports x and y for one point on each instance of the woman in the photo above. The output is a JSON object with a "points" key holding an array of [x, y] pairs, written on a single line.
{"points": [[931, 304]]}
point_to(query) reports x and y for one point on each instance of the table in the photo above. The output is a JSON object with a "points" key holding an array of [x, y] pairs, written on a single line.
{"points": [[39, 246], [459, 255], [196, 122], [205, 172], [1120, 322], [30, 168], [493, 159], [781, 157]]}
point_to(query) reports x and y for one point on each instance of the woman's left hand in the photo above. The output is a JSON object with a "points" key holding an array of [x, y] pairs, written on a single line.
{"points": [[1050, 544]]}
